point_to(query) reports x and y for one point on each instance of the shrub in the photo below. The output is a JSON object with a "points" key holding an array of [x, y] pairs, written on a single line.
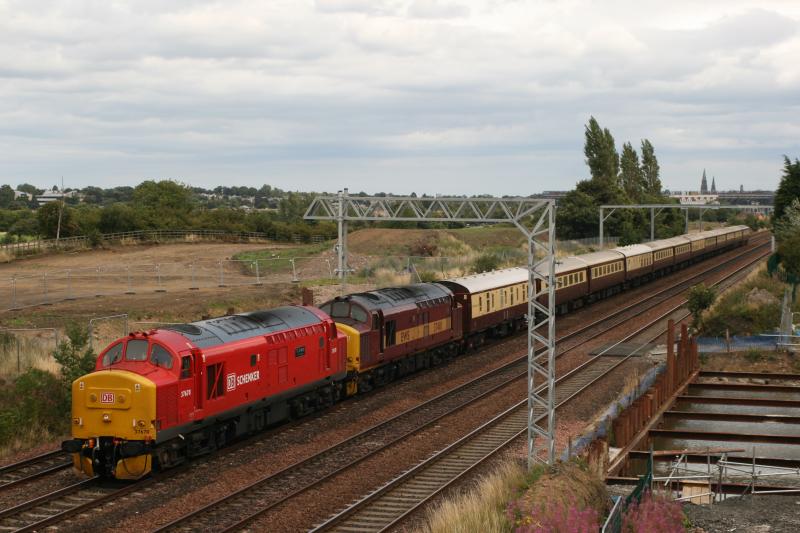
{"points": [[552, 517], [752, 355], [486, 263], [700, 298], [41, 401], [35, 399], [427, 276], [654, 514]]}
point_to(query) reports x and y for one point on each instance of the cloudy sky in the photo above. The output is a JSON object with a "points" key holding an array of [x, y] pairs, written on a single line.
{"points": [[434, 96]]}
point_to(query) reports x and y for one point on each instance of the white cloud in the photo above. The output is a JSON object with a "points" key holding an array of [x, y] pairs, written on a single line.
{"points": [[439, 95]]}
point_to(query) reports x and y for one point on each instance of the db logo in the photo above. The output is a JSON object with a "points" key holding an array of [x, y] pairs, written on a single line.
{"points": [[107, 397], [231, 382]]}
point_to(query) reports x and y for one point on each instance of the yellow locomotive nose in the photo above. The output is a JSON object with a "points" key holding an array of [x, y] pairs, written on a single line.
{"points": [[113, 412]]}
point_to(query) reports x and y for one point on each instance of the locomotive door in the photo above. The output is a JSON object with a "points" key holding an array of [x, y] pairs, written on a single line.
{"points": [[187, 395], [278, 367]]}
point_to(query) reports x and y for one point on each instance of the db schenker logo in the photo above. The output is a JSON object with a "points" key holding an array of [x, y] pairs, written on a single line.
{"points": [[232, 380]]}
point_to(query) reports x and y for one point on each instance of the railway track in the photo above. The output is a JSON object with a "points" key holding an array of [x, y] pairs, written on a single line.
{"points": [[62, 504], [24, 471], [276, 489], [386, 507]]}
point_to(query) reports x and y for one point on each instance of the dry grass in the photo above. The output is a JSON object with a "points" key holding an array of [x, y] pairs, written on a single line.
{"points": [[482, 508], [34, 352], [27, 438], [5, 257]]}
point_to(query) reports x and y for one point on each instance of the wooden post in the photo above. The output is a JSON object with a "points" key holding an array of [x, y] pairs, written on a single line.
{"points": [[308, 296], [670, 355]]}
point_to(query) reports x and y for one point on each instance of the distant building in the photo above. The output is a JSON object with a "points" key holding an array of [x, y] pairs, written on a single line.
{"points": [[694, 198], [55, 196], [552, 195], [21, 195], [711, 196]]}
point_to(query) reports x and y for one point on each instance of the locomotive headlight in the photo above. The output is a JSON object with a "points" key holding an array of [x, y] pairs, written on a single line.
{"points": [[121, 398], [77, 421], [106, 417], [93, 397], [141, 423]]}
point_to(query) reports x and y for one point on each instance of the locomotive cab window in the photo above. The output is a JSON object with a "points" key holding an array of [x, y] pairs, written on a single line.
{"points": [[159, 356], [113, 355], [136, 350], [186, 366]]}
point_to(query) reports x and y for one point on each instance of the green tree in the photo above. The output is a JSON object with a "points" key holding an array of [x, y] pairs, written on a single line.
{"points": [[6, 196], [601, 154], [630, 173], [787, 233], [30, 189], [48, 216], [577, 216], [700, 298], [74, 355], [117, 218], [650, 169], [789, 187], [163, 204], [486, 263]]}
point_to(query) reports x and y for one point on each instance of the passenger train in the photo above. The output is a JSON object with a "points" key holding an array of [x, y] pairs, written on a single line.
{"points": [[160, 397]]}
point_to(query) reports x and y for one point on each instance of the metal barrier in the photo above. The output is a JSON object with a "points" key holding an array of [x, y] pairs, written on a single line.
{"points": [[23, 348], [95, 334], [84, 241]]}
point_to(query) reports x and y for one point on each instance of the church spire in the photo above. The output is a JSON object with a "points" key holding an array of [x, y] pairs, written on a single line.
{"points": [[704, 184], [713, 185]]}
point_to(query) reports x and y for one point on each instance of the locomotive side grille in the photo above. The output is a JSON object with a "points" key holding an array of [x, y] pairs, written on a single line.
{"points": [[167, 404]]}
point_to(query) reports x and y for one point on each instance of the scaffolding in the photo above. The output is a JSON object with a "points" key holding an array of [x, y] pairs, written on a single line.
{"points": [[535, 218]]}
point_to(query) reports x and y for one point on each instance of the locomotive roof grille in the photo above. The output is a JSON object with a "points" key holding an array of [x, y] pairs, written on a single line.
{"points": [[420, 294], [216, 331]]}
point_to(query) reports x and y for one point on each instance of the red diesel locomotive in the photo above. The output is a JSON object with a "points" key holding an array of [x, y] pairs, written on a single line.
{"points": [[185, 390]]}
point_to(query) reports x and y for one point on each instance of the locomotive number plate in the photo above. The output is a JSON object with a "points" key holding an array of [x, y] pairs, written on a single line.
{"points": [[107, 397]]}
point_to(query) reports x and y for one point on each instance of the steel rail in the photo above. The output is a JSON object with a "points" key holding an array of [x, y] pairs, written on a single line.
{"points": [[33, 468], [216, 508], [405, 502]]}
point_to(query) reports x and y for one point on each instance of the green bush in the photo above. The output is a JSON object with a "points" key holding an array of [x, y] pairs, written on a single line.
{"points": [[486, 263], [734, 314], [427, 276], [40, 402]]}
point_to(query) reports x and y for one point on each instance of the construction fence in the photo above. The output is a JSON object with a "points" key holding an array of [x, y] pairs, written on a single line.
{"points": [[153, 236], [45, 288], [25, 348]]}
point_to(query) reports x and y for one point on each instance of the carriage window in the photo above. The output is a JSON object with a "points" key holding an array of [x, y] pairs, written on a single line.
{"points": [[161, 357], [136, 350], [254, 357], [186, 367], [300, 351], [113, 355]]}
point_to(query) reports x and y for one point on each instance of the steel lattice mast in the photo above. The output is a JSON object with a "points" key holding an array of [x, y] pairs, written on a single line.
{"points": [[535, 218]]}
